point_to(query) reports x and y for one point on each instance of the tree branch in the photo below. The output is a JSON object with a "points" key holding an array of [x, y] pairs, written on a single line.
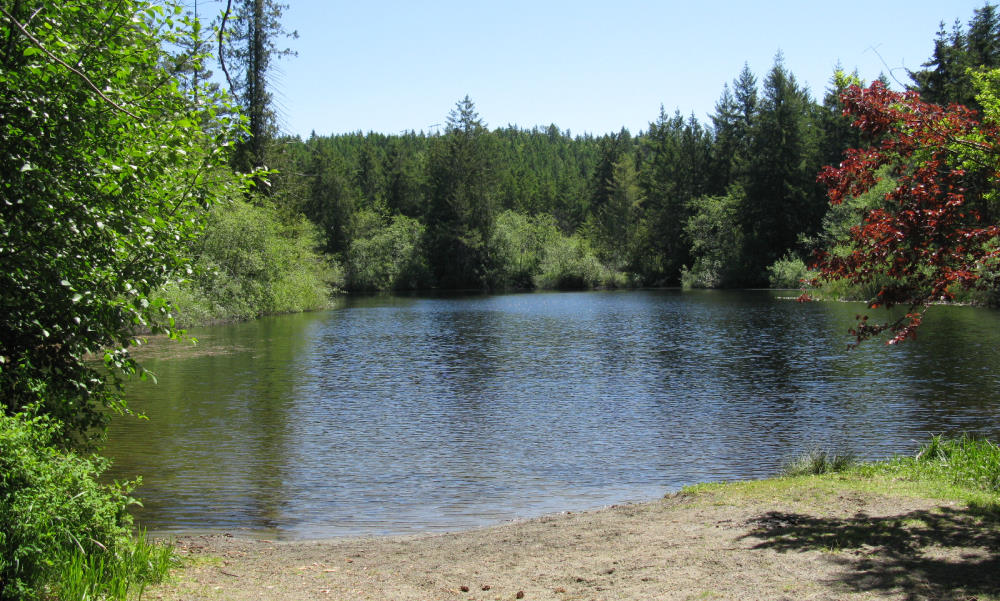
{"points": [[222, 58], [80, 74]]}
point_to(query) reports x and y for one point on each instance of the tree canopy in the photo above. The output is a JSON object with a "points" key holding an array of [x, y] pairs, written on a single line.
{"points": [[108, 167], [927, 237]]}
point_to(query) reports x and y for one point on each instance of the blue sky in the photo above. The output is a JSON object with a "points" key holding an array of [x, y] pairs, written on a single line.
{"points": [[389, 66]]}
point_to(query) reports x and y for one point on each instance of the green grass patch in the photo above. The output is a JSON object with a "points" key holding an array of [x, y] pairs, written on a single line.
{"points": [[964, 469], [965, 462], [817, 462], [98, 576]]}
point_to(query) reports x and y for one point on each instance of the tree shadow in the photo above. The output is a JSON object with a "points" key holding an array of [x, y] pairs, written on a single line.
{"points": [[945, 553]]}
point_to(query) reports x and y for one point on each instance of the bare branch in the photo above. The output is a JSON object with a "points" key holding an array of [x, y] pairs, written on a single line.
{"points": [[222, 57]]}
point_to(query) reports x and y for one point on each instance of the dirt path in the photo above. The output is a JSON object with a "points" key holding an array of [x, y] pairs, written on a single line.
{"points": [[702, 546]]}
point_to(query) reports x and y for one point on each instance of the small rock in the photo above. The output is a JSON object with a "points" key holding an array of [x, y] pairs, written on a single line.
{"points": [[463, 588], [486, 587], [519, 595]]}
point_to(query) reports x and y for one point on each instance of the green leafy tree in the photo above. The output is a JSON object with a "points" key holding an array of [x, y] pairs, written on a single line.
{"points": [[108, 169], [389, 257], [716, 241], [838, 133]]}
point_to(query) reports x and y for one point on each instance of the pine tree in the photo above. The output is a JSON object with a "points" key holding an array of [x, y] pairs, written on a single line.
{"points": [[945, 77], [735, 114]]}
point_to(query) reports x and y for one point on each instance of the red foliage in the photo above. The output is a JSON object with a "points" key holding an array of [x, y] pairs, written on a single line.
{"points": [[925, 237]]}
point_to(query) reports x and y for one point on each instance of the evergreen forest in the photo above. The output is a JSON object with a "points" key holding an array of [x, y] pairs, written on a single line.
{"points": [[732, 201]]}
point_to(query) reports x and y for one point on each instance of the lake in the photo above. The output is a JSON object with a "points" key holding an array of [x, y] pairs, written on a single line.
{"points": [[392, 415]]}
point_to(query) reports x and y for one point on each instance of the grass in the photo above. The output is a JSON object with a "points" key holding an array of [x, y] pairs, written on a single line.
{"points": [[95, 576], [964, 469], [817, 462], [967, 462]]}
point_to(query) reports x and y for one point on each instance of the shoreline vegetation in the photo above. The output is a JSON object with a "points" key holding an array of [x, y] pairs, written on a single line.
{"points": [[923, 527]]}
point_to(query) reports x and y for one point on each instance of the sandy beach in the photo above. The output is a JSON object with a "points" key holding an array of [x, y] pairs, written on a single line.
{"points": [[707, 544]]}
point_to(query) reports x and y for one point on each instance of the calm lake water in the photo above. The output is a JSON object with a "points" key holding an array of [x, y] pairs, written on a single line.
{"points": [[393, 414]]}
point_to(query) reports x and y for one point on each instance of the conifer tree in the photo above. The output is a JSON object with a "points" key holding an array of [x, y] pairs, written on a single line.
{"points": [[945, 78], [782, 197], [252, 34], [461, 210]]}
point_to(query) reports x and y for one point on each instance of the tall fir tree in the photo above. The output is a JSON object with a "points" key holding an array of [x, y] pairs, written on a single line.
{"points": [[782, 197], [462, 204], [252, 34], [945, 77]]}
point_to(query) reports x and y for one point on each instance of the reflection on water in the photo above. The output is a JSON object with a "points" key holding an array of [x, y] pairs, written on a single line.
{"points": [[395, 415]]}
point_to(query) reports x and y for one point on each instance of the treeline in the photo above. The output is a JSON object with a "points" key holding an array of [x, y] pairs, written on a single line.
{"points": [[712, 204], [731, 201]]}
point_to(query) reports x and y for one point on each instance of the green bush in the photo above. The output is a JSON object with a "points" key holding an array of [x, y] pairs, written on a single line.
{"points": [[716, 242], [570, 264], [787, 272], [518, 245], [705, 273], [54, 513], [251, 262], [389, 258]]}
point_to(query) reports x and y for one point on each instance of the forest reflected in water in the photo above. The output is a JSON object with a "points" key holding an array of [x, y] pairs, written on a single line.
{"points": [[392, 414]]}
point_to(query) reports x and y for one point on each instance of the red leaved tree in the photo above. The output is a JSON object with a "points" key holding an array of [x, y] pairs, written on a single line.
{"points": [[928, 236]]}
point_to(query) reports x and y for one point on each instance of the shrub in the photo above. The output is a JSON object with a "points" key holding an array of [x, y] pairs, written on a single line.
{"points": [[389, 258], [787, 272], [817, 462], [252, 262], [569, 263], [54, 512], [716, 242]]}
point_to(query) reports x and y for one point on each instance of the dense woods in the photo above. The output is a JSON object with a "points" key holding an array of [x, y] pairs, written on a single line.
{"points": [[729, 202], [472, 207]]}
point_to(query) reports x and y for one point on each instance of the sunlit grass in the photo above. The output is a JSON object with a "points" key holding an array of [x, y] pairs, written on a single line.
{"points": [[966, 462], [93, 576], [817, 462], [963, 469]]}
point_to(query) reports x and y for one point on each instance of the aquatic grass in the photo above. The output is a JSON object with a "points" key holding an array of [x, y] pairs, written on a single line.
{"points": [[816, 462], [93, 576]]}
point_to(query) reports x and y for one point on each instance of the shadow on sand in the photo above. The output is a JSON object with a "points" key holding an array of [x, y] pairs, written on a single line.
{"points": [[946, 553]]}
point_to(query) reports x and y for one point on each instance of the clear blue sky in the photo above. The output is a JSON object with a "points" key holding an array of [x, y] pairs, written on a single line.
{"points": [[587, 66]]}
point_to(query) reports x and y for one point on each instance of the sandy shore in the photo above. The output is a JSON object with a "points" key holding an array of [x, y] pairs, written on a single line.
{"points": [[709, 545]]}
